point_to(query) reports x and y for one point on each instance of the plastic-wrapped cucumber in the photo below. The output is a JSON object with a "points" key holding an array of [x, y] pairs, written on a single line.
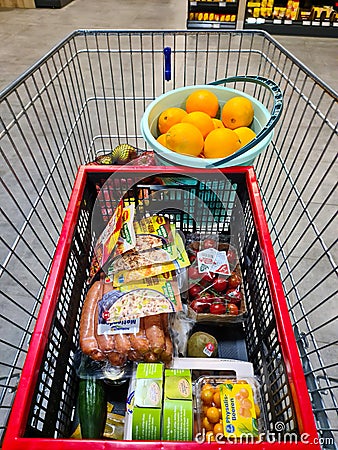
{"points": [[92, 407]]}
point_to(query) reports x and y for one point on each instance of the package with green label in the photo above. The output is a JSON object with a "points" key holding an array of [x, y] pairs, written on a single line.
{"points": [[147, 408], [177, 421]]}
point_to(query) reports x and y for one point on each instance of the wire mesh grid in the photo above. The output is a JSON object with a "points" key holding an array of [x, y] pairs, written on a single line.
{"points": [[88, 95]]}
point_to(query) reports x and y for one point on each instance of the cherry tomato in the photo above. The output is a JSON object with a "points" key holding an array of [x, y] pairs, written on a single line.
{"points": [[220, 284], [192, 257], [234, 280], [232, 256], [232, 309], [195, 246], [194, 290], [199, 307], [209, 243], [206, 297], [193, 273], [218, 308], [208, 278], [234, 296]]}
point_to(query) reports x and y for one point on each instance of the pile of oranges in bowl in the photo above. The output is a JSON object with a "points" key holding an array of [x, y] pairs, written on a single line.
{"points": [[203, 129]]}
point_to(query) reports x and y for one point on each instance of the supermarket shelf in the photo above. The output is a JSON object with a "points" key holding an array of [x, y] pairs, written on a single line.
{"points": [[195, 24], [220, 7], [295, 28]]}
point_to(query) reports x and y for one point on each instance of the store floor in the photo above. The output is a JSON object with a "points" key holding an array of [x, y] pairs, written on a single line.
{"points": [[27, 34]]}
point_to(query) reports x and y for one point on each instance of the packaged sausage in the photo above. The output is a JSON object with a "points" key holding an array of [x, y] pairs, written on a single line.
{"points": [[153, 295]]}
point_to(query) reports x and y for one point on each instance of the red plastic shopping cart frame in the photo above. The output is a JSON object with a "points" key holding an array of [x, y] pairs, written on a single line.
{"points": [[14, 436]]}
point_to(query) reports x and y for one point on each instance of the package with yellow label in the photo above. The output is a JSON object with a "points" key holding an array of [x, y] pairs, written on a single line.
{"points": [[238, 409], [232, 406], [137, 257], [181, 261]]}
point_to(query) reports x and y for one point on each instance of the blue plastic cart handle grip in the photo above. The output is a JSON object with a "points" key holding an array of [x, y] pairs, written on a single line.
{"points": [[167, 63]]}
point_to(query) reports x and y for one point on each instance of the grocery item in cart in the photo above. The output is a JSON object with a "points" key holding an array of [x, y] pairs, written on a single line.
{"points": [[228, 407], [215, 280], [144, 338], [262, 124], [107, 240], [181, 261], [149, 249], [152, 295]]}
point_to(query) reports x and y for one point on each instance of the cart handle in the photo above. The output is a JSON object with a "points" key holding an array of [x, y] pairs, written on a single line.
{"points": [[275, 113]]}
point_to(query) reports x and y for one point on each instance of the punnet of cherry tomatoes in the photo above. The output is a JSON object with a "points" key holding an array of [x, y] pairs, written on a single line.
{"points": [[215, 288]]}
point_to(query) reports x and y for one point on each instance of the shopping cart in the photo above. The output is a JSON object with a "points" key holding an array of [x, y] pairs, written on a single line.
{"points": [[88, 95]]}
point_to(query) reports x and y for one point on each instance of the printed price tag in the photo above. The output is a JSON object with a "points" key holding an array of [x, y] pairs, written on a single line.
{"points": [[208, 349], [205, 260], [212, 260], [222, 4], [325, 24], [221, 264], [288, 22], [277, 21], [316, 24], [306, 22], [216, 25]]}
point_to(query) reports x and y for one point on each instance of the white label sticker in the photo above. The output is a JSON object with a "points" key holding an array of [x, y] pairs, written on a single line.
{"points": [[208, 349], [205, 260], [120, 327]]}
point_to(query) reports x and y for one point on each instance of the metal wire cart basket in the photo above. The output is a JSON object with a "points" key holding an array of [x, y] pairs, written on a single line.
{"points": [[82, 99]]}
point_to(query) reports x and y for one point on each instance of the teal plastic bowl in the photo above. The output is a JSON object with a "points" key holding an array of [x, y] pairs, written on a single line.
{"points": [[177, 97]]}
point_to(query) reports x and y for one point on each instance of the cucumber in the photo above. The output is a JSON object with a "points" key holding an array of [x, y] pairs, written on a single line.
{"points": [[92, 408]]}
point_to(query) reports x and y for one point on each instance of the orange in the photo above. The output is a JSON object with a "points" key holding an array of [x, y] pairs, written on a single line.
{"points": [[170, 117], [201, 120], [213, 414], [218, 123], [245, 135], [202, 100], [162, 139], [220, 143], [237, 112], [185, 138]]}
